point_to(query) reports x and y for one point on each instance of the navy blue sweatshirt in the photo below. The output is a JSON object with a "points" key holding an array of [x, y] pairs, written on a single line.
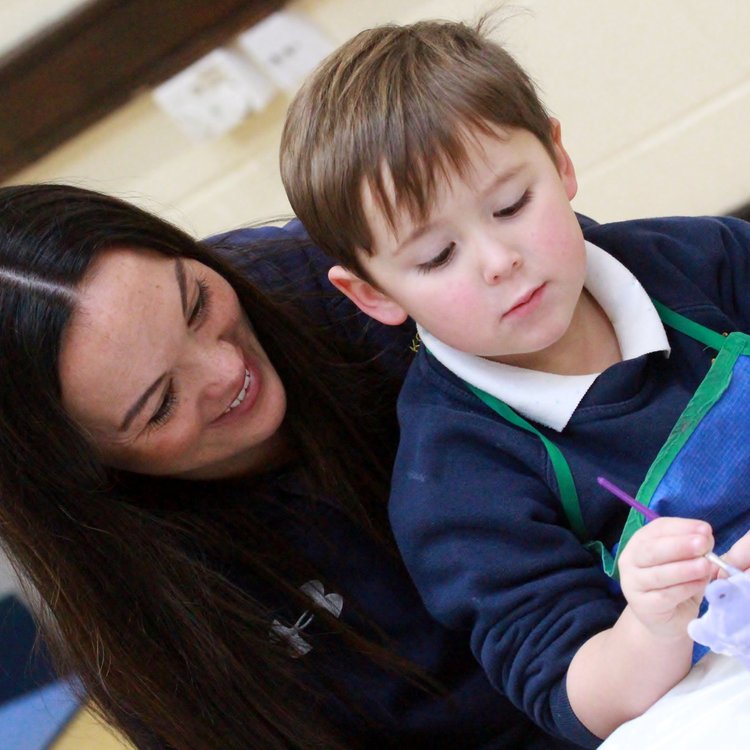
{"points": [[467, 712], [475, 508]]}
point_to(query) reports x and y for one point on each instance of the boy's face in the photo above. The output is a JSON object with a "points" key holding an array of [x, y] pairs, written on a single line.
{"points": [[497, 268]]}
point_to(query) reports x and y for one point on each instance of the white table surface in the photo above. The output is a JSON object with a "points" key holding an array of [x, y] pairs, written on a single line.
{"points": [[708, 710]]}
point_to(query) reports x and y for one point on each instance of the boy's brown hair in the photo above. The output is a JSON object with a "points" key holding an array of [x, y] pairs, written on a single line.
{"points": [[392, 109]]}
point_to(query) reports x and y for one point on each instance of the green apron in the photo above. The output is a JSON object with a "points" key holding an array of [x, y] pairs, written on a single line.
{"points": [[701, 471]]}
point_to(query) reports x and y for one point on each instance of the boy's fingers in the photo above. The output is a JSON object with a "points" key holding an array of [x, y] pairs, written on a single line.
{"points": [[666, 549], [673, 574], [666, 599], [673, 525], [739, 553]]}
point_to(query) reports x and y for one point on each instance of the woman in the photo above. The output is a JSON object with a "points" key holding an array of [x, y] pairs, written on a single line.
{"points": [[195, 444]]}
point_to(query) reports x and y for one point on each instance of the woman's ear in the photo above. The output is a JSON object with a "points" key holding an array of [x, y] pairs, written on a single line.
{"points": [[366, 297]]}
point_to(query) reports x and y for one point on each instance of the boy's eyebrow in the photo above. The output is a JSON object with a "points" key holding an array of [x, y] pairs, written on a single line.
{"points": [[414, 235], [499, 180]]}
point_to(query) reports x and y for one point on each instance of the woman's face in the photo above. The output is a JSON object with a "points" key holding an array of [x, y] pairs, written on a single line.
{"points": [[162, 369]]}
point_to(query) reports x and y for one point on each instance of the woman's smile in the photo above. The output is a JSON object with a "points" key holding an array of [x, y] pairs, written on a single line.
{"points": [[245, 399], [241, 395], [165, 342]]}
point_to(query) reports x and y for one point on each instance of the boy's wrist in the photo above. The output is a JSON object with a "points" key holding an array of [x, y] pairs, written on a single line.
{"points": [[667, 632]]}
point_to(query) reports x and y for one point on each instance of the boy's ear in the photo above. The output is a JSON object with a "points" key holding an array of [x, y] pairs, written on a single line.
{"points": [[563, 161], [366, 297]]}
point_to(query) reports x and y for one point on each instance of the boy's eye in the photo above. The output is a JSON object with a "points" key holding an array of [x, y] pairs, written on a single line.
{"points": [[201, 303], [439, 260], [515, 208]]}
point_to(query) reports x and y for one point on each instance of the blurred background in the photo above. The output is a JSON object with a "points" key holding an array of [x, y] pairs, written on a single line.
{"points": [[178, 105], [653, 95]]}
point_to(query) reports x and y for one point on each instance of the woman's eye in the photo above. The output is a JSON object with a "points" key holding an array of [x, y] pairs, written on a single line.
{"points": [[439, 260], [515, 208], [202, 300], [166, 407]]}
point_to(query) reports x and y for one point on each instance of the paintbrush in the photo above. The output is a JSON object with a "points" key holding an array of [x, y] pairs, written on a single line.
{"points": [[650, 515]]}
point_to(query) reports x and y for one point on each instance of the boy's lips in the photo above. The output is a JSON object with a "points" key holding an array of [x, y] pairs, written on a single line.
{"points": [[525, 302]]}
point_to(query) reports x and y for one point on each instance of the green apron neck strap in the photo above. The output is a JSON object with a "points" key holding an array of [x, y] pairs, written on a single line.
{"points": [[563, 474], [566, 485], [689, 327]]}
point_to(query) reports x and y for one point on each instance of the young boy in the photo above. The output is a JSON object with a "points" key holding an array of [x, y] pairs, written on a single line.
{"points": [[421, 158]]}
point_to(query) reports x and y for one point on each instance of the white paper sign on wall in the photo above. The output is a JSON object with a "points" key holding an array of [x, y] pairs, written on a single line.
{"points": [[214, 94], [286, 47]]}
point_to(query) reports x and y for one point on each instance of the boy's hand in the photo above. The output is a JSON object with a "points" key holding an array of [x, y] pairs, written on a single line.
{"points": [[739, 553], [663, 573]]}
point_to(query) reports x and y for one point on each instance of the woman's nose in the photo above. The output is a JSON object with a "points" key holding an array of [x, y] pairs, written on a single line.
{"points": [[219, 375]]}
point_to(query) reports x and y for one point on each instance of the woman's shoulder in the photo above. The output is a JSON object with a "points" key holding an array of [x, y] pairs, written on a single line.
{"points": [[277, 258]]}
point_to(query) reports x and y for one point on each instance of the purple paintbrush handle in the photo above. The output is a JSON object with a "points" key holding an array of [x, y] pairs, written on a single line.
{"points": [[649, 514]]}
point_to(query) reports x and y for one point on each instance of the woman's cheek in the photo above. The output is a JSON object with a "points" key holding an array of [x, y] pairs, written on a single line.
{"points": [[162, 453]]}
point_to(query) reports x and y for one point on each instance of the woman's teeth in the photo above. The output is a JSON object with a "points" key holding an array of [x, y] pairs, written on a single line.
{"points": [[241, 395]]}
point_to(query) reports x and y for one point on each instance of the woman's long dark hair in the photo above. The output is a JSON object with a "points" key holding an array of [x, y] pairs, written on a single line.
{"points": [[137, 597]]}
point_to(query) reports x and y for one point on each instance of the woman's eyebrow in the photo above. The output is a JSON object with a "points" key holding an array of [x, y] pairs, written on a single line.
{"points": [[136, 408], [179, 272]]}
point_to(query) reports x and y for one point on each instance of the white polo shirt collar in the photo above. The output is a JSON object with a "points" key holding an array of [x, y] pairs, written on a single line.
{"points": [[551, 399]]}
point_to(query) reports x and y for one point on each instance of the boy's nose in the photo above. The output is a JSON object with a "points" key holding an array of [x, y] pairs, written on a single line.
{"points": [[498, 261]]}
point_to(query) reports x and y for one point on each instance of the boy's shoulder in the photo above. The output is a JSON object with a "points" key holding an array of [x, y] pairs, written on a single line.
{"points": [[430, 382], [676, 238], [434, 403], [681, 261]]}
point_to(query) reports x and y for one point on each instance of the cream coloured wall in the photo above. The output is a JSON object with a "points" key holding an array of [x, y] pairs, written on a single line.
{"points": [[20, 19], [654, 97]]}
